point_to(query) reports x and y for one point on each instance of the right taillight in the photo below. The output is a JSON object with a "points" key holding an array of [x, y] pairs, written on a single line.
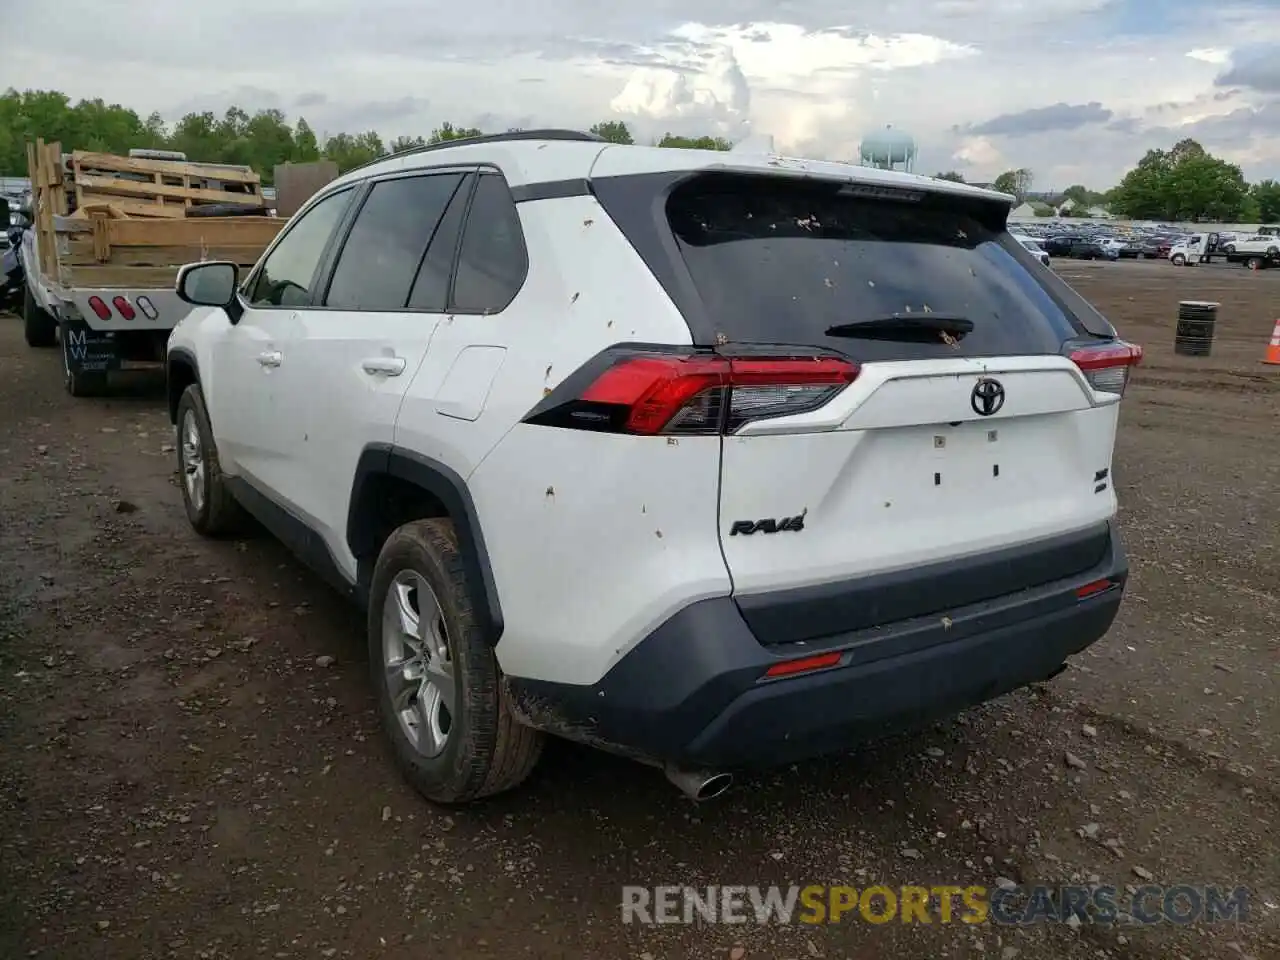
{"points": [[1107, 366], [701, 393]]}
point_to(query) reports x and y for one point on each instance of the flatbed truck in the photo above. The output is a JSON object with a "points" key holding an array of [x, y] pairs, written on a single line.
{"points": [[108, 237]]}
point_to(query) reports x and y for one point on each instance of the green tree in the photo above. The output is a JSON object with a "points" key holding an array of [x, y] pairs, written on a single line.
{"points": [[447, 131], [949, 175], [1182, 183], [615, 131], [305, 146], [1081, 196], [349, 152], [1016, 182], [401, 144], [259, 140], [1266, 194], [695, 143]]}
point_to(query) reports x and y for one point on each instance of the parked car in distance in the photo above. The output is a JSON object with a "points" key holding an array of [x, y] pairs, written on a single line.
{"points": [[1060, 246], [1255, 252], [1092, 250], [1257, 243], [1033, 245], [1156, 248]]}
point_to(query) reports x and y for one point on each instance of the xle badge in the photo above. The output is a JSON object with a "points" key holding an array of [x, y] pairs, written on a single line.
{"points": [[768, 525]]}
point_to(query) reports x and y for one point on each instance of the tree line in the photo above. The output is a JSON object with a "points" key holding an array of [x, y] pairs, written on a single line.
{"points": [[259, 140], [1185, 183]]}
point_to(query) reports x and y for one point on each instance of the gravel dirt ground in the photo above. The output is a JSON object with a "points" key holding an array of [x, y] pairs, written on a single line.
{"points": [[182, 778]]}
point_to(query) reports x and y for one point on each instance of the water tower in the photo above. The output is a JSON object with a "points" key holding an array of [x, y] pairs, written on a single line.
{"points": [[889, 149]]}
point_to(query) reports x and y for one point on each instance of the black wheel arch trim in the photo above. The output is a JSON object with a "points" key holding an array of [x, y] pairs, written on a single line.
{"points": [[187, 357], [447, 486]]}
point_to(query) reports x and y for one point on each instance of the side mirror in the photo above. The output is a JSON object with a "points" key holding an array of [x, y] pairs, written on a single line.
{"points": [[210, 284]]}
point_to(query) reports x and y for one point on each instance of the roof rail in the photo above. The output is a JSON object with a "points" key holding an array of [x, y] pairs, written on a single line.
{"points": [[568, 136]]}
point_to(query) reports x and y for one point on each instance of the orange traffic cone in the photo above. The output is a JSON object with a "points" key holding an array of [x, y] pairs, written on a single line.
{"points": [[1272, 355]]}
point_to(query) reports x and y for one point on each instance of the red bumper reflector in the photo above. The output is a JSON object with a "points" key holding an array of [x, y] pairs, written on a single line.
{"points": [[124, 307], [805, 665], [1093, 589], [100, 308]]}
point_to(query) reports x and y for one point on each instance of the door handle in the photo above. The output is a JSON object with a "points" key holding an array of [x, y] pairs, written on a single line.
{"points": [[385, 366], [271, 358]]}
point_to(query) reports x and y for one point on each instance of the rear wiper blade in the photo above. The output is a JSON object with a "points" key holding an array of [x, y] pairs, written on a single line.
{"points": [[905, 326]]}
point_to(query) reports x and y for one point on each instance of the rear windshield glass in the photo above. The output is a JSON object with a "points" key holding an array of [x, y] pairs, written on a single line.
{"points": [[780, 261]]}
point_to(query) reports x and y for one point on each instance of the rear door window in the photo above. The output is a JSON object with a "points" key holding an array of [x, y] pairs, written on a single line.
{"points": [[388, 241], [431, 288], [780, 261]]}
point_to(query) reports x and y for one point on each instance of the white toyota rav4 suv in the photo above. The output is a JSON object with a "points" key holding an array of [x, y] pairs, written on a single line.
{"points": [[712, 460]]}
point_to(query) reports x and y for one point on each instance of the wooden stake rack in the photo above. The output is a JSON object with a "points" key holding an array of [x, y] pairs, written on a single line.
{"points": [[102, 244], [105, 252], [159, 188], [48, 197]]}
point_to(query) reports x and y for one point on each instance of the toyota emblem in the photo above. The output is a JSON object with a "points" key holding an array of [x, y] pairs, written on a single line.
{"points": [[987, 397]]}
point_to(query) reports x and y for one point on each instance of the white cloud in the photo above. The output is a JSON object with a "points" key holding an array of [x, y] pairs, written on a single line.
{"points": [[980, 152], [1215, 55], [785, 51], [718, 92], [1098, 81]]}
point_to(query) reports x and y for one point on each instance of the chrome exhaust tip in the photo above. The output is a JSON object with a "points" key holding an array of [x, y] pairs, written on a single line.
{"points": [[699, 784]]}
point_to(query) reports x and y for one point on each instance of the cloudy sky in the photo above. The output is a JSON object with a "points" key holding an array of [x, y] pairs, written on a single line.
{"points": [[1076, 90]]}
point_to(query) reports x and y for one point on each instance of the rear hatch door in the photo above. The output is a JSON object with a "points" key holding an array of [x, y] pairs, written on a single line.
{"points": [[967, 459]]}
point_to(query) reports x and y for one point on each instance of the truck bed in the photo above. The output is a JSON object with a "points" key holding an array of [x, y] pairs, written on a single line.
{"points": [[104, 222], [137, 254]]}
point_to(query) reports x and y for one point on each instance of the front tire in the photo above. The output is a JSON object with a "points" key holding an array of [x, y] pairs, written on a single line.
{"points": [[439, 690], [38, 327], [1178, 260], [211, 508]]}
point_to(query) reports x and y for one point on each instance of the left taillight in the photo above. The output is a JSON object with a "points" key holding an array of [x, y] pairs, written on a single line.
{"points": [[662, 393], [1108, 366]]}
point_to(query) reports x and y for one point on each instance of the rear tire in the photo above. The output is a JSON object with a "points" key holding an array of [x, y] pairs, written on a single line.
{"points": [[461, 742], [86, 384], [80, 383], [38, 327], [211, 509]]}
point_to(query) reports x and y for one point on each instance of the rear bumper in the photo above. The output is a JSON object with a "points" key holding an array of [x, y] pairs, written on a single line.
{"points": [[693, 693]]}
